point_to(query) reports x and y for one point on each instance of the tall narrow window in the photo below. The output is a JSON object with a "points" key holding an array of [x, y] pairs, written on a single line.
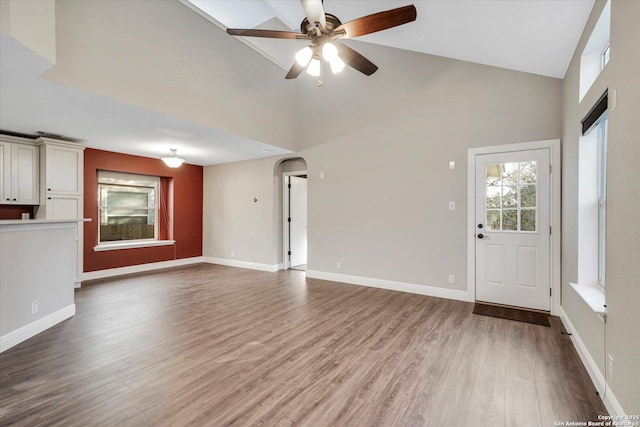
{"points": [[128, 207], [596, 52], [592, 214]]}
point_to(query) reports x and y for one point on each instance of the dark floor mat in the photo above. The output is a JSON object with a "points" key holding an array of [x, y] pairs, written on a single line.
{"points": [[512, 314]]}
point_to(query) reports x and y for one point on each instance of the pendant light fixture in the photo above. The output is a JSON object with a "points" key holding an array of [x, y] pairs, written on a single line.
{"points": [[172, 160]]}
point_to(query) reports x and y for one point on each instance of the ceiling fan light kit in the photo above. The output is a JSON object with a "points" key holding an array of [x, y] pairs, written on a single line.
{"points": [[304, 55], [329, 51], [313, 68], [322, 29], [337, 65]]}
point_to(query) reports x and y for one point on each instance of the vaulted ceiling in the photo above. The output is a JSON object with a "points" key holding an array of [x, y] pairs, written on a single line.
{"points": [[534, 36]]}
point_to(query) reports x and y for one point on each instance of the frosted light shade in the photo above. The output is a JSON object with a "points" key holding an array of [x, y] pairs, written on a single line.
{"points": [[337, 65], [172, 160], [329, 52], [303, 56], [314, 67]]}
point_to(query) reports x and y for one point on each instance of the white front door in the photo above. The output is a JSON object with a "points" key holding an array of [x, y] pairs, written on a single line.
{"points": [[513, 228], [298, 223]]}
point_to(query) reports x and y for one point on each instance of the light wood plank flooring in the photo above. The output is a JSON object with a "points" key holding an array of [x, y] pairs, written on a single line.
{"points": [[211, 345]]}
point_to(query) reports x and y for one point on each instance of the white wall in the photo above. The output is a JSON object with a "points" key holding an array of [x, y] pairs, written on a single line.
{"points": [[623, 231], [142, 56], [384, 147], [32, 23], [382, 208], [232, 221], [37, 263]]}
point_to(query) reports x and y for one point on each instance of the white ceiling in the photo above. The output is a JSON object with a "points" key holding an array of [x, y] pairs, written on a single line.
{"points": [[534, 36]]}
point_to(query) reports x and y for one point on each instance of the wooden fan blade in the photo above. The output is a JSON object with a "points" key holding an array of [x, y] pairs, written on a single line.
{"points": [[314, 10], [378, 21], [295, 70], [271, 34], [355, 60]]}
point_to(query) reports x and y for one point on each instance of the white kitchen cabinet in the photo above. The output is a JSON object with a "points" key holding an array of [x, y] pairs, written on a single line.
{"points": [[64, 167], [19, 172], [64, 207], [62, 185]]}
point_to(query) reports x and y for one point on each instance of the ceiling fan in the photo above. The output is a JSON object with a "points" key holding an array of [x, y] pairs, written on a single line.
{"points": [[322, 29]]}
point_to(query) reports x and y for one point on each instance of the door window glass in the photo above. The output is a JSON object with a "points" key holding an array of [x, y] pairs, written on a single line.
{"points": [[512, 196]]}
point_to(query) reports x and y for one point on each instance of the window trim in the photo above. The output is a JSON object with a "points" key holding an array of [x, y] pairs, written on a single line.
{"points": [[605, 56], [132, 244], [603, 124]]}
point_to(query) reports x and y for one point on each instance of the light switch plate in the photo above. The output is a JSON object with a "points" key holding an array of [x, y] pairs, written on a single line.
{"points": [[452, 206], [452, 164]]}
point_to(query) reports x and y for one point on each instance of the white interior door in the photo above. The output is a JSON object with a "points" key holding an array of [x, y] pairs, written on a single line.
{"points": [[513, 228], [298, 223]]}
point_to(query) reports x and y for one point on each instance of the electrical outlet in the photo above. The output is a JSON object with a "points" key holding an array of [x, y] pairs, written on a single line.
{"points": [[25, 215], [34, 307], [452, 206], [609, 368], [322, 175], [338, 265], [452, 278], [232, 254]]}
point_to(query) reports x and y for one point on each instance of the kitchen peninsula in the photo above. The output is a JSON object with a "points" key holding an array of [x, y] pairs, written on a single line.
{"points": [[37, 275]]}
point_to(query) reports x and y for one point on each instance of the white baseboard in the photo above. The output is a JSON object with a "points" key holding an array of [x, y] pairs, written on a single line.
{"points": [[111, 272], [610, 401], [34, 328], [242, 264], [431, 291]]}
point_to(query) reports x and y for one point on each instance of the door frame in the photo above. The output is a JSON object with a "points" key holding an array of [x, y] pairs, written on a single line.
{"points": [[554, 212], [286, 263]]}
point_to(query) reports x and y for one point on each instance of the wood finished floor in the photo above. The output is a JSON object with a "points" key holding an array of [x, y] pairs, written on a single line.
{"points": [[211, 345]]}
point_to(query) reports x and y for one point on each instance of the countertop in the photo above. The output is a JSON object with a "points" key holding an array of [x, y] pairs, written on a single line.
{"points": [[39, 221]]}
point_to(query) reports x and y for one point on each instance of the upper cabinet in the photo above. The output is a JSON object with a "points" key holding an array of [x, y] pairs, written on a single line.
{"points": [[61, 179], [19, 173], [63, 167]]}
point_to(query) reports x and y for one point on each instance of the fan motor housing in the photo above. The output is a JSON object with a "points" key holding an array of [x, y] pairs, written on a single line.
{"points": [[332, 22]]}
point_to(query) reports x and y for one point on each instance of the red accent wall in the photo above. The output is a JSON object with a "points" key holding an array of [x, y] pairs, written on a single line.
{"points": [[16, 211], [183, 185]]}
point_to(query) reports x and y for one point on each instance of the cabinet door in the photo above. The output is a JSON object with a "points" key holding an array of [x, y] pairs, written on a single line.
{"points": [[25, 170], [5, 173], [64, 170], [61, 207], [69, 207]]}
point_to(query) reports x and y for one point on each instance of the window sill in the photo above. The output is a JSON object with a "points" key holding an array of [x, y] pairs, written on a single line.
{"points": [[593, 295], [132, 245]]}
